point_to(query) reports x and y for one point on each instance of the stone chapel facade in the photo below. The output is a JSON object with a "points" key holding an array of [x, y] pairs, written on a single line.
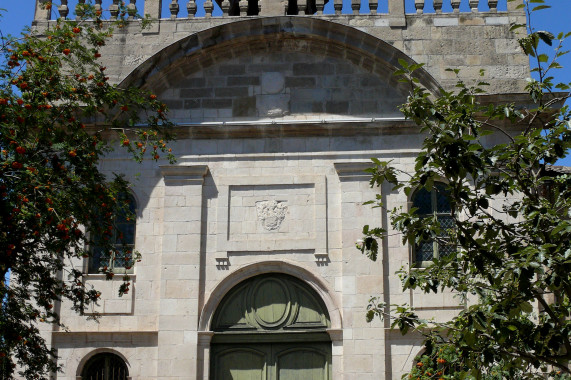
{"points": [[249, 267]]}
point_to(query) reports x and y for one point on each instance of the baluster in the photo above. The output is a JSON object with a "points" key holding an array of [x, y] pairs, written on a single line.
{"points": [[114, 9], [174, 8], [474, 5], [191, 8], [208, 7], [355, 5], [338, 6], [419, 5], [493, 4], [243, 5], [301, 7], [131, 10], [225, 6], [319, 5], [79, 9], [63, 9], [456, 6], [437, 6], [98, 7], [373, 4]]}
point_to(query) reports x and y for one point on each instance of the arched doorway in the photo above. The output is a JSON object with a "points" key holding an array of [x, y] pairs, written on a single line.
{"points": [[271, 326]]}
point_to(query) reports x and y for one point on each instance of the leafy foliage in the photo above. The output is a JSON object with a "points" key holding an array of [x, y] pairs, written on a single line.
{"points": [[511, 210], [59, 116]]}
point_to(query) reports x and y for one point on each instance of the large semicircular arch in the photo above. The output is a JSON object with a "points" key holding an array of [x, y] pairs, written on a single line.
{"points": [[195, 52], [325, 292]]}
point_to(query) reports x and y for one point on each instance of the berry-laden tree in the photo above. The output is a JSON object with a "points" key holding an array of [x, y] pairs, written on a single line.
{"points": [[504, 232], [59, 116]]}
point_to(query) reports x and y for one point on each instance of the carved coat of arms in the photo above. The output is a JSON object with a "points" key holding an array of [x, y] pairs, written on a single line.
{"points": [[271, 214]]}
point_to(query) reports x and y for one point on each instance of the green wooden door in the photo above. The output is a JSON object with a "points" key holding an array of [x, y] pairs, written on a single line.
{"points": [[271, 327], [271, 361]]}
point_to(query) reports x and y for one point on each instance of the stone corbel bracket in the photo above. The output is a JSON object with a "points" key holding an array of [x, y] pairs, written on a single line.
{"points": [[353, 171], [184, 174]]}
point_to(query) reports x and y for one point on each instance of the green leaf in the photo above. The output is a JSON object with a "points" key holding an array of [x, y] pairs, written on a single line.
{"points": [[546, 37], [517, 26], [526, 307], [540, 7]]}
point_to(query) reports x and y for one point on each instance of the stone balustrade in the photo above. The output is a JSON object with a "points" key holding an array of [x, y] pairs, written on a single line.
{"points": [[227, 8]]}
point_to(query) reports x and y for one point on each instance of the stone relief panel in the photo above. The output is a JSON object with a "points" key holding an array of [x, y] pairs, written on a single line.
{"points": [[273, 213], [262, 212]]}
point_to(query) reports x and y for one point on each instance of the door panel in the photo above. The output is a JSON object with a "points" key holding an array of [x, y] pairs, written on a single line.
{"points": [[271, 361], [301, 364], [240, 364]]}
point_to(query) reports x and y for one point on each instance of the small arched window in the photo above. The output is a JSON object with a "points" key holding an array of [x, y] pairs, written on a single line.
{"points": [[120, 259], [105, 366], [434, 203]]}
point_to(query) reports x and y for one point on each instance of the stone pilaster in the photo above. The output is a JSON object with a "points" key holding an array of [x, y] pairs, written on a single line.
{"points": [[361, 278], [180, 270], [43, 10], [397, 13], [153, 8]]}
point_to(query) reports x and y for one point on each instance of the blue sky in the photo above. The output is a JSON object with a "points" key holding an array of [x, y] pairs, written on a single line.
{"points": [[19, 13]]}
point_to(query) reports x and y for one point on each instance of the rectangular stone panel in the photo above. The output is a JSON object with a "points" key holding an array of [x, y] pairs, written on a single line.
{"points": [[261, 214], [110, 302]]}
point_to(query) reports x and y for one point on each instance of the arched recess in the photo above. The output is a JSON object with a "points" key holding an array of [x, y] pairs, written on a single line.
{"points": [[323, 290], [284, 69], [271, 326], [87, 360]]}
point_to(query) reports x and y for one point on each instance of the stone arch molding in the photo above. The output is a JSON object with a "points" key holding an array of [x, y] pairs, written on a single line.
{"points": [[324, 291], [325, 68]]}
